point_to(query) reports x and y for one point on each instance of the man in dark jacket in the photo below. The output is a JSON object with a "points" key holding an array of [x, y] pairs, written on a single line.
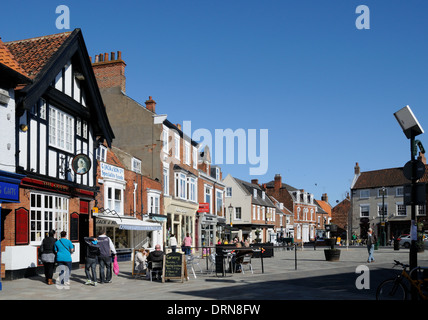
{"points": [[92, 253], [155, 256], [106, 251]]}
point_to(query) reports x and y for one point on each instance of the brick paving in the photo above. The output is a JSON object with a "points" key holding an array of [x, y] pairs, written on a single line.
{"points": [[314, 279]]}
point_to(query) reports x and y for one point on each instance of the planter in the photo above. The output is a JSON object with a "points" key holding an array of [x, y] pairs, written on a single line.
{"points": [[332, 254]]}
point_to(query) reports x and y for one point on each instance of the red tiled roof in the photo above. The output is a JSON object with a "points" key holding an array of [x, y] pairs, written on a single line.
{"points": [[385, 178], [33, 54], [7, 58]]}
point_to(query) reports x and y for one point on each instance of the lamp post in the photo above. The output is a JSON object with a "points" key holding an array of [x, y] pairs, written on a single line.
{"points": [[382, 219], [411, 129], [230, 220]]}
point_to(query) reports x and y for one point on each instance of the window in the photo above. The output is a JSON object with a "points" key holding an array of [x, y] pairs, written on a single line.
{"points": [[209, 196], [255, 193], [191, 185], [101, 153], [217, 174], [47, 213], [136, 165], [364, 210], [165, 139], [42, 109], [364, 194], [420, 210], [61, 131], [219, 202], [195, 157], [254, 212], [165, 179], [401, 209], [153, 201], [258, 212], [382, 192], [177, 146], [399, 192], [263, 195], [228, 192], [114, 197], [238, 213], [180, 185], [78, 127], [380, 209], [187, 153]]}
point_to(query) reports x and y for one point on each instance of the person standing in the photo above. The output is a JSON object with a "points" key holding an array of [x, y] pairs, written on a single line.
{"points": [[173, 243], [107, 249], [64, 248], [92, 253], [47, 255], [371, 240], [187, 242]]}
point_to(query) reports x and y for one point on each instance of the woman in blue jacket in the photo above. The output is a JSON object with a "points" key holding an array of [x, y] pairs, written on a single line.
{"points": [[64, 248]]}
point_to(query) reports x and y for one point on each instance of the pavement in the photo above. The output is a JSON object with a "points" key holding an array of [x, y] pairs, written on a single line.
{"points": [[303, 274]]}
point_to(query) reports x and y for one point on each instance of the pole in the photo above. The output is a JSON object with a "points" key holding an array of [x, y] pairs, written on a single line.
{"points": [[413, 257], [0, 248], [295, 256]]}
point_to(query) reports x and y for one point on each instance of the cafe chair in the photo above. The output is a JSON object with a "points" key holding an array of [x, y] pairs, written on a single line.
{"points": [[193, 261], [247, 262], [212, 262], [156, 268]]}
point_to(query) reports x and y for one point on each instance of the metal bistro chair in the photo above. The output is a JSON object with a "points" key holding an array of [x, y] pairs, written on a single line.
{"points": [[193, 261], [212, 262], [156, 269], [247, 262]]}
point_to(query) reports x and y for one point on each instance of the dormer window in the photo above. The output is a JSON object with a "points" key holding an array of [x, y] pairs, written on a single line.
{"points": [[263, 195], [255, 193]]}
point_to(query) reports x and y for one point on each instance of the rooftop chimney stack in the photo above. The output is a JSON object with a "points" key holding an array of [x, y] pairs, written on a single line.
{"points": [[110, 73], [151, 104], [255, 181], [277, 182]]}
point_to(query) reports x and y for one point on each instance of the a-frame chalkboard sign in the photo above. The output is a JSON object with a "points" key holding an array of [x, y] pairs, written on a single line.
{"points": [[174, 267]]}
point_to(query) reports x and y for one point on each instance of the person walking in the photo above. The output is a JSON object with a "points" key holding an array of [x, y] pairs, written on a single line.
{"points": [[187, 243], [371, 240], [92, 253], [107, 249], [47, 255], [64, 248], [173, 243]]}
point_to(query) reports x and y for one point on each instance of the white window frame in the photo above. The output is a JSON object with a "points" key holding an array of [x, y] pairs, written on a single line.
{"points": [[238, 213], [379, 193], [399, 192], [136, 165], [187, 153], [399, 206], [56, 208], [361, 210], [101, 153], [153, 201], [166, 179], [195, 157], [61, 129], [363, 194], [379, 210], [111, 202], [165, 136], [180, 180], [177, 146], [228, 192], [209, 188], [192, 189], [219, 195], [255, 193]]}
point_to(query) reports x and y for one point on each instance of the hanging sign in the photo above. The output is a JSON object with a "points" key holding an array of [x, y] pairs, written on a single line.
{"points": [[81, 164]]}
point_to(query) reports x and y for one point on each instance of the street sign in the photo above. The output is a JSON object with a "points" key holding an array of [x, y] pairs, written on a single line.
{"points": [[420, 194], [419, 170]]}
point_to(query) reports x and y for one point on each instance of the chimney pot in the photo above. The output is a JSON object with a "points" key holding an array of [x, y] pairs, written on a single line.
{"points": [[112, 54], [277, 182], [105, 56], [151, 105], [255, 181]]}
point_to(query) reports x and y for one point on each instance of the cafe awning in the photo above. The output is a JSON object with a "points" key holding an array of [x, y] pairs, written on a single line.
{"points": [[129, 223]]}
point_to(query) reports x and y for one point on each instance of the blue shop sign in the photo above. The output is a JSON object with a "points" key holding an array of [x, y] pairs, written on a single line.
{"points": [[9, 191]]}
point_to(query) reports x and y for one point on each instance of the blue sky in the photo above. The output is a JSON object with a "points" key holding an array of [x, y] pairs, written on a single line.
{"points": [[325, 90]]}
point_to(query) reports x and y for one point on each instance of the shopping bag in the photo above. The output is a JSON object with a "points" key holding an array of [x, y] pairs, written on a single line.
{"points": [[115, 266]]}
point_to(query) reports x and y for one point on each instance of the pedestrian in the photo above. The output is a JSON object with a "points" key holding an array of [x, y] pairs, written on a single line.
{"points": [[173, 243], [107, 249], [92, 253], [187, 243], [371, 240], [47, 255], [64, 249], [141, 261]]}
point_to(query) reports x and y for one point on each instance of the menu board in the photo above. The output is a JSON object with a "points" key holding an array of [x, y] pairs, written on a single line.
{"points": [[174, 266]]}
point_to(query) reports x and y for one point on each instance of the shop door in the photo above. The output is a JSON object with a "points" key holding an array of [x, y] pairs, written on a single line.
{"points": [[83, 228]]}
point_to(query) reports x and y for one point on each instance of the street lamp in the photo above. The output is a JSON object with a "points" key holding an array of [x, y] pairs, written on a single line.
{"points": [[411, 129], [231, 224], [382, 219]]}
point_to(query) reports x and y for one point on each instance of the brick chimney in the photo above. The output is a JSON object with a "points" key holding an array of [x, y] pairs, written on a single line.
{"points": [[278, 182], [151, 104], [255, 181], [110, 72], [324, 197], [357, 168]]}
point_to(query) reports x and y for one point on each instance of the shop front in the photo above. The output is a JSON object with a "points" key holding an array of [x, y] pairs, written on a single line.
{"points": [[128, 233], [180, 220]]}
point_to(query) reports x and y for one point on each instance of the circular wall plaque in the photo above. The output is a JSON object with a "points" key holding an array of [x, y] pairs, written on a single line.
{"points": [[81, 164]]}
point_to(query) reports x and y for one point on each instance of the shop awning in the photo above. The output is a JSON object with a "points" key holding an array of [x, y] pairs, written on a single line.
{"points": [[126, 223]]}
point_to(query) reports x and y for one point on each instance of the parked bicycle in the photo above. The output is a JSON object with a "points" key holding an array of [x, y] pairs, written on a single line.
{"points": [[397, 288]]}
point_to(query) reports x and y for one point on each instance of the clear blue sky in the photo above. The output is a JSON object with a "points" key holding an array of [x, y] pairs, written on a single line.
{"points": [[325, 90]]}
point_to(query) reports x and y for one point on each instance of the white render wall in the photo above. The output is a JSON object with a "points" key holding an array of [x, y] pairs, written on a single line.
{"points": [[7, 134]]}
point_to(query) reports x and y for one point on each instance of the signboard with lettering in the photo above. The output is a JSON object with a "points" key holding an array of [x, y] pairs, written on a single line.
{"points": [[204, 207], [174, 266], [112, 172], [9, 191]]}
